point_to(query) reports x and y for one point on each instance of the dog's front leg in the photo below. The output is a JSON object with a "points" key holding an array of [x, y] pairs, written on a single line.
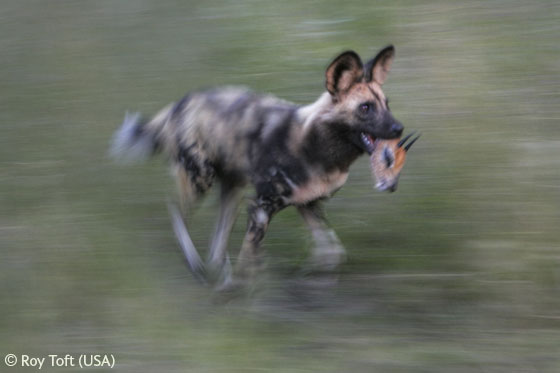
{"points": [[250, 258], [328, 252]]}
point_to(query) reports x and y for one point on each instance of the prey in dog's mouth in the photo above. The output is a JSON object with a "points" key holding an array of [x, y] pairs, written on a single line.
{"points": [[387, 158]]}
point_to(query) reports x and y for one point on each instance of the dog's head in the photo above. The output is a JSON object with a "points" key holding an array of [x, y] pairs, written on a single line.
{"points": [[358, 100], [387, 161]]}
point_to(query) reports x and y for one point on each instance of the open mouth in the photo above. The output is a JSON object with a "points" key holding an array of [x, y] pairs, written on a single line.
{"points": [[368, 142]]}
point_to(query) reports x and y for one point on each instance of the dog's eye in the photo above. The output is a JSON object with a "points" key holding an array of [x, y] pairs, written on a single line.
{"points": [[364, 108]]}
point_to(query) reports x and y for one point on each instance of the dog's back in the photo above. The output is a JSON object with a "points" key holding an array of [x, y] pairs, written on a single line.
{"points": [[223, 130]]}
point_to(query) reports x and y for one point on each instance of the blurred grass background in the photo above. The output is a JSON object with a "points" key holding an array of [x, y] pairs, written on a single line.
{"points": [[457, 271]]}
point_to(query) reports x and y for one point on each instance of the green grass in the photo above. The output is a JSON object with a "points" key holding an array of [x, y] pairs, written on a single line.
{"points": [[457, 271]]}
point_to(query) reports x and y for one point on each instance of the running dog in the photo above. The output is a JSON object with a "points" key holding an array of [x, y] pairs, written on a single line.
{"points": [[292, 155]]}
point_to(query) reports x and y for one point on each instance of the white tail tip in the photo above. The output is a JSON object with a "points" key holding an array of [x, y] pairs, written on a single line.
{"points": [[130, 144]]}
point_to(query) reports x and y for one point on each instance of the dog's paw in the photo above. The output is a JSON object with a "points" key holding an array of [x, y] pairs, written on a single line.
{"points": [[328, 258]]}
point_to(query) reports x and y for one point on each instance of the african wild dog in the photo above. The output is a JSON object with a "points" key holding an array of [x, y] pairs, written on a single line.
{"points": [[292, 155]]}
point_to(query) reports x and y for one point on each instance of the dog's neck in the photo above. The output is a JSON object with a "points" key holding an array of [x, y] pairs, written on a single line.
{"points": [[310, 113], [324, 140]]}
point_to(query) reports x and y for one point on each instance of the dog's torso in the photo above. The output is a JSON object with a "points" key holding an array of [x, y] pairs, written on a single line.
{"points": [[243, 137]]}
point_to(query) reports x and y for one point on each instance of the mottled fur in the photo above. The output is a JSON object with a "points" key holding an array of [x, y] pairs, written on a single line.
{"points": [[292, 155]]}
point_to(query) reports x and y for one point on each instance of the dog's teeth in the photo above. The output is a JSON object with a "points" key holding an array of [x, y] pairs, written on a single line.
{"points": [[367, 142], [366, 139]]}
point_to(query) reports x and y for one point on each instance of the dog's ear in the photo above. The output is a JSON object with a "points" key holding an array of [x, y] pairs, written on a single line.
{"points": [[343, 72], [378, 67]]}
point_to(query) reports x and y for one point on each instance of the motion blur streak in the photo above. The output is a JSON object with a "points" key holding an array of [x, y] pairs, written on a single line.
{"points": [[457, 271]]}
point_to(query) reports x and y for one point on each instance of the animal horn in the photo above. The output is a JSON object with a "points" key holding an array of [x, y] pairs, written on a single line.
{"points": [[410, 143], [401, 143]]}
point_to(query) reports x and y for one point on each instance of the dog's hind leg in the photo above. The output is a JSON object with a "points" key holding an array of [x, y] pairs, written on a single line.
{"points": [[327, 252], [191, 255], [218, 262], [190, 190]]}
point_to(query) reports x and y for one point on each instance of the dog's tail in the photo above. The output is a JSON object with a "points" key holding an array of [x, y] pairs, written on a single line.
{"points": [[137, 139]]}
